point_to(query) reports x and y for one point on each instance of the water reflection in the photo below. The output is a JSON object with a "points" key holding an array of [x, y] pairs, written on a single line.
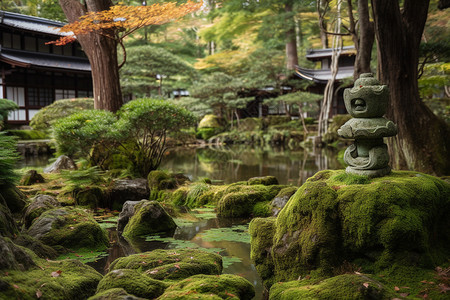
{"points": [[232, 164]]}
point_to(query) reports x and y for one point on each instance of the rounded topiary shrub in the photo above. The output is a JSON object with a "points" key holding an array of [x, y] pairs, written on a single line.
{"points": [[58, 110]]}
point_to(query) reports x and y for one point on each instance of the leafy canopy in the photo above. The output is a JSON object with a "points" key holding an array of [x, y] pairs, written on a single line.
{"points": [[124, 20]]}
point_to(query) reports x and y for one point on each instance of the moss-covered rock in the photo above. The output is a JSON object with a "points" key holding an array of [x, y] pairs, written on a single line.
{"points": [[347, 286], [149, 217], [35, 245], [31, 177], [264, 180], [173, 264], [13, 257], [281, 199], [66, 279], [39, 204], [70, 228], [132, 281], [207, 133], [160, 180], [8, 227], [91, 197], [114, 294], [333, 218], [14, 198], [239, 200], [225, 286], [126, 190]]}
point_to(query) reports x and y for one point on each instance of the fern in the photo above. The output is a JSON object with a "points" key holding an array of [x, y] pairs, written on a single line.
{"points": [[8, 159]]}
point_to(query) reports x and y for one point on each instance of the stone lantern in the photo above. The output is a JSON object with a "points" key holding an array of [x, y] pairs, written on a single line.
{"points": [[367, 102]]}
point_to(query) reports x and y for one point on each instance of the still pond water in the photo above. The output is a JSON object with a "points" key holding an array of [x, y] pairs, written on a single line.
{"points": [[227, 237]]}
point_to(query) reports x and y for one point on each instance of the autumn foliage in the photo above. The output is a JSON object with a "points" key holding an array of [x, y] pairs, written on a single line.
{"points": [[123, 20]]}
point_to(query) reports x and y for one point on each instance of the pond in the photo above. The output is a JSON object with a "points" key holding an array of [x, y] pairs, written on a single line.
{"points": [[237, 163], [227, 237]]}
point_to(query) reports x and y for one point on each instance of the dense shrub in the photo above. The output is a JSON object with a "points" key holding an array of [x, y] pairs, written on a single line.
{"points": [[6, 106], [147, 122], [139, 133], [76, 134], [58, 110]]}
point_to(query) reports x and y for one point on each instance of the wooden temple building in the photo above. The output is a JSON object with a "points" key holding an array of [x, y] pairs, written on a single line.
{"points": [[321, 75], [34, 74]]}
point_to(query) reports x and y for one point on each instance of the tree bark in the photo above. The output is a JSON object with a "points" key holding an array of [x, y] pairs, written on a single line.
{"points": [[422, 143], [291, 41], [364, 40], [102, 54]]}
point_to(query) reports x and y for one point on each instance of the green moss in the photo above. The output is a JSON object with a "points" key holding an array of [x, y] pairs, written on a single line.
{"points": [[333, 218], [31, 177], [149, 217], [133, 282], [90, 197], [238, 200], [225, 286], [261, 232], [261, 209], [351, 179], [171, 264], [71, 228], [347, 286], [265, 180], [160, 180], [113, 294], [207, 133], [14, 198], [67, 279], [39, 248], [27, 134], [211, 121]]}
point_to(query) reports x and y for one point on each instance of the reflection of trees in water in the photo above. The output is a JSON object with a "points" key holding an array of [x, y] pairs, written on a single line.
{"points": [[237, 163]]}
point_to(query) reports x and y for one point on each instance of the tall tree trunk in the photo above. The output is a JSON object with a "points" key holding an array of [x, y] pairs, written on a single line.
{"points": [[102, 54], [422, 143], [291, 40], [363, 39]]}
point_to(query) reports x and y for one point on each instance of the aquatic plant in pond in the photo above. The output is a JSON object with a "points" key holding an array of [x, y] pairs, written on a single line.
{"points": [[236, 233]]}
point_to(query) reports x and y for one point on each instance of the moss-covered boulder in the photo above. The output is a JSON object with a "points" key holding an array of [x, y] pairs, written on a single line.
{"points": [[39, 204], [91, 197], [336, 218], [13, 257], [264, 180], [8, 227], [281, 199], [239, 200], [35, 245], [69, 227], [225, 286], [114, 294], [149, 217], [173, 264], [63, 162], [132, 281], [14, 198], [65, 280], [347, 286], [209, 126], [31, 177]]}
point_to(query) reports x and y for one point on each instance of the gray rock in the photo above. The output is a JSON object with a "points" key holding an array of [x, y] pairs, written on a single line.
{"points": [[62, 163], [43, 225], [39, 204], [127, 190], [13, 257], [127, 212]]}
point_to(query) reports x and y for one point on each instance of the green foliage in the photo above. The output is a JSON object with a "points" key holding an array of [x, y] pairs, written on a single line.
{"points": [[45, 117], [196, 106], [145, 66], [6, 106], [8, 159], [207, 133], [25, 134], [147, 122]]}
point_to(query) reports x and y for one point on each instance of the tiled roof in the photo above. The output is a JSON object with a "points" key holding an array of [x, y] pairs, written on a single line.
{"points": [[31, 23], [322, 76], [35, 59], [315, 54]]}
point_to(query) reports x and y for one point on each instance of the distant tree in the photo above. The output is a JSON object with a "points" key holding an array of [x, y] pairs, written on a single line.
{"points": [[100, 27], [150, 68]]}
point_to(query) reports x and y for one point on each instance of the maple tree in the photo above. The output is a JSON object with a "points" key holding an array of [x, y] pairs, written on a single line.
{"points": [[100, 26]]}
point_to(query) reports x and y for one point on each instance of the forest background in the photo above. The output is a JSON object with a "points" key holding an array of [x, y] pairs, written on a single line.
{"points": [[229, 51]]}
